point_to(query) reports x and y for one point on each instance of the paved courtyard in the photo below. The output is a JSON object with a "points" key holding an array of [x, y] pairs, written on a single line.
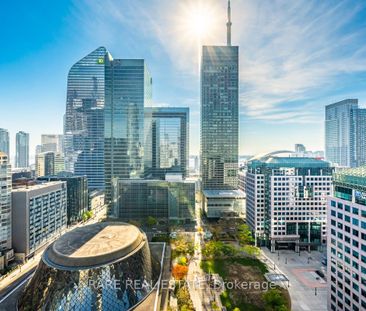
{"points": [[307, 289]]}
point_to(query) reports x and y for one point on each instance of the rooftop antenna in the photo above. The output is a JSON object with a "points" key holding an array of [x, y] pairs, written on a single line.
{"points": [[228, 24]]}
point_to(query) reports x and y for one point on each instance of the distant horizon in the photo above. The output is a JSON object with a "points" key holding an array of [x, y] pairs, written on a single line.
{"points": [[292, 62]]}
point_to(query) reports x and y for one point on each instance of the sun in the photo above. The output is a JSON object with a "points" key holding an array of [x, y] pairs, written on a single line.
{"points": [[198, 20]]}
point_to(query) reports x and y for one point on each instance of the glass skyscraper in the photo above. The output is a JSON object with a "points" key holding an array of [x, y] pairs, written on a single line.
{"points": [[4, 141], [167, 141], [22, 149], [344, 133], [128, 87], [83, 131], [219, 116], [90, 161]]}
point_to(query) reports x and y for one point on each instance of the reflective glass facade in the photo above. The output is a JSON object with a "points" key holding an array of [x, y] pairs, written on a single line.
{"points": [[4, 141], [90, 161], [22, 150], [139, 199], [115, 286], [128, 87], [219, 117], [5, 202], [167, 141], [83, 128], [340, 132]]}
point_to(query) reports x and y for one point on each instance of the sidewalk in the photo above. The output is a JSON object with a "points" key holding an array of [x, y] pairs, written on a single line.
{"points": [[307, 292], [18, 273]]}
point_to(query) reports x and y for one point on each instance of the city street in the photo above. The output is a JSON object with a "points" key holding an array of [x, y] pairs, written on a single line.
{"points": [[308, 291]]}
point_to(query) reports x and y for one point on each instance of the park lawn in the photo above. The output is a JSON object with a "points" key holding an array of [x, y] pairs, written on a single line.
{"points": [[242, 269]]}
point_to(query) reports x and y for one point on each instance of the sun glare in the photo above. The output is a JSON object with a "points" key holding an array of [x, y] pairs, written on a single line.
{"points": [[198, 20]]}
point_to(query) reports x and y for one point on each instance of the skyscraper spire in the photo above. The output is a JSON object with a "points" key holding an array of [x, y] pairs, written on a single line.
{"points": [[228, 24]]}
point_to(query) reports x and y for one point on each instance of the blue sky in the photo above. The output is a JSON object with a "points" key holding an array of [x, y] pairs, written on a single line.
{"points": [[295, 57]]}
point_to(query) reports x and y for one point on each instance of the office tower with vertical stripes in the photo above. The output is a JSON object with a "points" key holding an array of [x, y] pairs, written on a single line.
{"points": [[128, 88], [220, 114]]}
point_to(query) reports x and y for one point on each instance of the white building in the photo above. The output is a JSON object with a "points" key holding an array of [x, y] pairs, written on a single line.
{"points": [[286, 200], [347, 241], [39, 216]]}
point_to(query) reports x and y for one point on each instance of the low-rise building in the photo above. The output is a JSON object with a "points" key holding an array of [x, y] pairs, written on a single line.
{"points": [[224, 203], [161, 199], [39, 216]]}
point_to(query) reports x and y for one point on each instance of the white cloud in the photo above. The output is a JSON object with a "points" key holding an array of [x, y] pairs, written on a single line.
{"points": [[290, 51]]}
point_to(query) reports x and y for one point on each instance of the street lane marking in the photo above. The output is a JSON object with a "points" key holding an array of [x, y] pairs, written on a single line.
{"points": [[15, 288]]}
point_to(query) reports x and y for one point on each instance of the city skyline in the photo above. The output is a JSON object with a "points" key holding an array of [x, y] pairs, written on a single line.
{"points": [[290, 67]]}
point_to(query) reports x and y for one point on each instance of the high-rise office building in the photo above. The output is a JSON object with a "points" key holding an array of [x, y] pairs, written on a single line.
{"points": [[85, 90], [167, 141], [5, 202], [90, 160], [52, 143], [128, 88], [341, 133], [45, 164], [286, 200], [59, 163], [347, 241], [4, 142], [39, 215], [220, 114], [22, 149]]}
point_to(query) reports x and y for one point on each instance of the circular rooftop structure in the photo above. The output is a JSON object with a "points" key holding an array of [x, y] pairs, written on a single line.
{"points": [[94, 245], [104, 266]]}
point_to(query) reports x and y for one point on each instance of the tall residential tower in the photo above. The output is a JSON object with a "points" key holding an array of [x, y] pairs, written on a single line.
{"points": [[22, 149], [4, 141], [345, 129]]}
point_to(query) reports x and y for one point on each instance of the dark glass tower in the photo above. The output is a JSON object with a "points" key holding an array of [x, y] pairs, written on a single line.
{"points": [[220, 115], [128, 87], [84, 133], [167, 141], [22, 149]]}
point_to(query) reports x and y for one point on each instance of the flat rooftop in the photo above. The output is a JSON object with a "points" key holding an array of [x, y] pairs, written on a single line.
{"points": [[25, 188], [230, 194], [94, 245]]}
